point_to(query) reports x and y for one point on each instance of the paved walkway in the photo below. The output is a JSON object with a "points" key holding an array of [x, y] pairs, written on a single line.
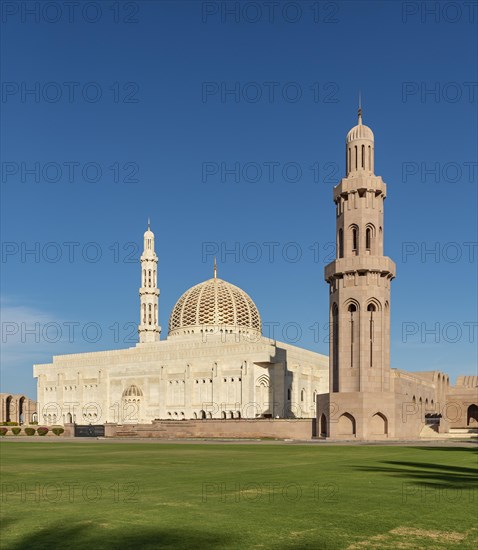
{"points": [[220, 441]]}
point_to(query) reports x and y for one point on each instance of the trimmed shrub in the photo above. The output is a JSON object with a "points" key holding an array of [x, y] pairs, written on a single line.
{"points": [[9, 424], [34, 423], [57, 431], [16, 430], [30, 431], [42, 430], [3, 431]]}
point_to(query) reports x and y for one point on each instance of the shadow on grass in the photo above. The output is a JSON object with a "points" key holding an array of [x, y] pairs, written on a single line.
{"points": [[431, 474], [89, 535]]}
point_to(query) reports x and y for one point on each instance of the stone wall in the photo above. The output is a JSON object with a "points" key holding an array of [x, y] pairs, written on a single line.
{"points": [[240, 428]]}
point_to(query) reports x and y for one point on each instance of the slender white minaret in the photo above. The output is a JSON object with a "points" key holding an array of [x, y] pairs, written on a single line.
{"points": [[148, 329]]}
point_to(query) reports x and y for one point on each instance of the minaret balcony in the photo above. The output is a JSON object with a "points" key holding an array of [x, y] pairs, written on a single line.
{"points": [[366, 182], [149, 290], [382, 264]]}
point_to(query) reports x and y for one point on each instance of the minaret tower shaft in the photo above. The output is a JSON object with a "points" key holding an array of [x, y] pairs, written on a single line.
{"points": [[360, 276], [148, 329]]}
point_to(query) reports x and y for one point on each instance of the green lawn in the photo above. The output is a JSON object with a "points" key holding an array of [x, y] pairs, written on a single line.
{"points": [[125, 495]]}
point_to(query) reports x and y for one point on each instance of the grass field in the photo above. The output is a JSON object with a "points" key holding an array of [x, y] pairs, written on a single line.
{"points": [[156, 495]]}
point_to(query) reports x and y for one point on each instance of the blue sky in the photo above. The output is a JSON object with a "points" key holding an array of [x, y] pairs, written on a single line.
{"points": [[227, 128]]}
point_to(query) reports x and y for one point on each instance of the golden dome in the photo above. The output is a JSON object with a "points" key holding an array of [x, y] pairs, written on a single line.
{"points": [[214, 304]]}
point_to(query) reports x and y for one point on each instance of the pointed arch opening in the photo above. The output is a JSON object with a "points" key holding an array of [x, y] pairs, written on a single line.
{"points": [[472, 415], [8, 409], [323, 425], [21, 410]]}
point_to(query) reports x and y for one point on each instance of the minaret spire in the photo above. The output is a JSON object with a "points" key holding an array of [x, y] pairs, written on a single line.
{"points": [[360, 108], [149, 330], [215, 268]]}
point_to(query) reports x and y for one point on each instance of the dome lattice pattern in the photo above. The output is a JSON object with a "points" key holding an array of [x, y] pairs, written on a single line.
{"points": [[214, 303]]}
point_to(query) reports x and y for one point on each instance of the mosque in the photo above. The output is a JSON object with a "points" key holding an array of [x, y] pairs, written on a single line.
{"points": [[215, 364]]}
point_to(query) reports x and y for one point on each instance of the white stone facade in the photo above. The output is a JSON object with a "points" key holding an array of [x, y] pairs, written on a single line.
{"points": [[214, 364]]}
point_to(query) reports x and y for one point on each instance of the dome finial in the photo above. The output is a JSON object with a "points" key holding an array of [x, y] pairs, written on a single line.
{"points": [[215, 268], [360, 108], [149, 224]]}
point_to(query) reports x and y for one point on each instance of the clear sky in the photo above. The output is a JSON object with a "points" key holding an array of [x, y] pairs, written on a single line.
{"points": [[225, 123]]}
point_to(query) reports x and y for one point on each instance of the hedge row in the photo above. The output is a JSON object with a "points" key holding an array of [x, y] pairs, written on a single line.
{"points": [[42, 430]]}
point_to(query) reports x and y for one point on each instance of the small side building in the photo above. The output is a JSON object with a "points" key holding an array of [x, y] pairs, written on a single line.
{"points": [[17, 408]]}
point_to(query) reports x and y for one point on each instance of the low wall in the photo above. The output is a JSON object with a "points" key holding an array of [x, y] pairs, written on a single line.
{"points": [[238, 428]]}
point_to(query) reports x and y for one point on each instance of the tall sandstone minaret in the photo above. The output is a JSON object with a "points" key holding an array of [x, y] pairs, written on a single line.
{"points": [[359, 280], [148, 329]]}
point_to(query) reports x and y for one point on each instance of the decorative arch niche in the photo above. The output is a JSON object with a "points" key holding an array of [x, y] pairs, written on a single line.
{"points": [[346, 425], [379, 424]]}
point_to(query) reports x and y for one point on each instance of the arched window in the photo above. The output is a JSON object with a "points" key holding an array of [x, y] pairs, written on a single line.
{"points": [[335, 348], [363, 156], [352, 310], [341, 243], [368, 239], [356, 158], [354, 239], [369, 158], [288, 394], [371, 308], [302, 394], [349, 163]]}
